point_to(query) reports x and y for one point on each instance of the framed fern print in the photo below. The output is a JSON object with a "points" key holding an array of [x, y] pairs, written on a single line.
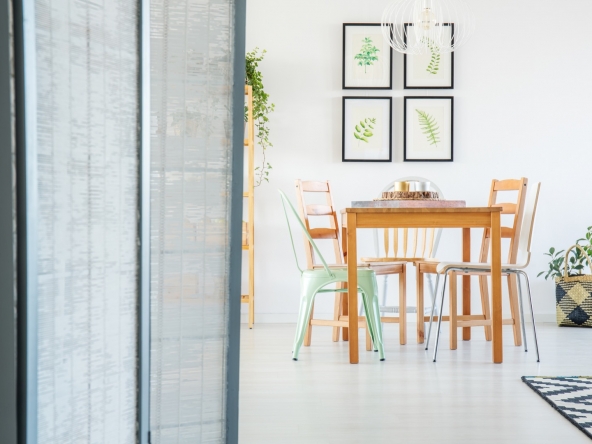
{"points": [[367, 57], [431, 70], [367, 129], [428, 129]]}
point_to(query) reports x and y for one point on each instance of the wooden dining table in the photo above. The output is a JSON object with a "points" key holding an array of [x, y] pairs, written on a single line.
{"points": [[430, 214]]}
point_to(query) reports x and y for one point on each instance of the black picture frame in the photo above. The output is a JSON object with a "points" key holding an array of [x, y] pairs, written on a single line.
{"points": [[344, 132], [406, 63], [406, 137], [344, 80]]}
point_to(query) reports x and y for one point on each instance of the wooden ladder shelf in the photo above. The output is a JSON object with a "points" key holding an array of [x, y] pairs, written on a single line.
{"points": [[249, 226]]}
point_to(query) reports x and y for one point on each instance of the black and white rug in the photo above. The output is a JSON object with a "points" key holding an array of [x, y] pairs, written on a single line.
{"points": [[569, 395]]}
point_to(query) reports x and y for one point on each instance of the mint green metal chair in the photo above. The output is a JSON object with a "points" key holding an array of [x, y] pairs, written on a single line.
{"points": [[314, 281]]}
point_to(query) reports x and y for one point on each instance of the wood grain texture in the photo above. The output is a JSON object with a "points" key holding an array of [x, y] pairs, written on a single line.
{"points": [[352, 282], [496, 289]]}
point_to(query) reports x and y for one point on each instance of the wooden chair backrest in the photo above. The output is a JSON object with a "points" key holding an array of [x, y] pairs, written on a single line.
{"points": [[306, 211], [409, 244], [516, 209]]}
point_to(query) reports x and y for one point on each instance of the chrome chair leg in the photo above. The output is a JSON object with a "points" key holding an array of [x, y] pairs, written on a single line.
{"points": [[434, 293], [440, 316], [536, 341], [521, 311]]}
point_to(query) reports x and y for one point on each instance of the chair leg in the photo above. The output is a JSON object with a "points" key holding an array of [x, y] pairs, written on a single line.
{"points": [[384, 290], [308, 291], [484, 287], [308, 334], [370, 326], [344, 312], [419, 278], [513, 293], [521, 312], [369, 290], [536, 341], [439, 318], [337, 313], [403, 308], [434, 298], [453, 299]]}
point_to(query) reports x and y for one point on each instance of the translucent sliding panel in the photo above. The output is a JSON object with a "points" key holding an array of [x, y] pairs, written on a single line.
{"points": [[87, 173], [191, 104]]}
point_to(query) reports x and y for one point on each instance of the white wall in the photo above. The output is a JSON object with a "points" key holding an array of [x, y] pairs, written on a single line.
{"points": [[523, 99]]}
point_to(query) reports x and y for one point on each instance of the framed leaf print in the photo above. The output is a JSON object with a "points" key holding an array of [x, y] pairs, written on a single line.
{"points": [[432, 70], [428, 129], [367, 57], [367, 129]]}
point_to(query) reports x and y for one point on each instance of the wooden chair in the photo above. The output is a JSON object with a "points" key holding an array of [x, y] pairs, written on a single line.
{"points": [[331, 232], [512, 233], [408, 246]]}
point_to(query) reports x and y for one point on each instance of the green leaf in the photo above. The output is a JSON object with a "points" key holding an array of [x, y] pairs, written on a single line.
{"points": [[429, 127]]}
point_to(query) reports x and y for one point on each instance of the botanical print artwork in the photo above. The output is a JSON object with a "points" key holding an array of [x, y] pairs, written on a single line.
{"points": [[367, 129], [364, 129], [367, 57], [429, 127], [431, 69], [368, 54]]}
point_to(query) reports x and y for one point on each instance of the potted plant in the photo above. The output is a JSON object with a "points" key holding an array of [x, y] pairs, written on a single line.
{"points": [[576, 262], [261, 110], [573, 289]]}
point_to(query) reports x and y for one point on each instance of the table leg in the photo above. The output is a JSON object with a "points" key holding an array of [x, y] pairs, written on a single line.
{"points": [[344, 306], [466, 281], [352, 286], [496, 289]]}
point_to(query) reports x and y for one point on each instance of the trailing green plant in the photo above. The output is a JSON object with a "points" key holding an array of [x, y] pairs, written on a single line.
{"points": [[363, 130], [368, 54], [576, 261], [434, 65], [261, 110], [429, 127]]}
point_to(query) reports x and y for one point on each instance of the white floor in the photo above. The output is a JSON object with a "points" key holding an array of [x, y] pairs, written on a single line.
{"points": [[463, 398]]}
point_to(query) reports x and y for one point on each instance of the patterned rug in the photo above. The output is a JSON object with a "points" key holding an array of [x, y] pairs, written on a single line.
{"points": [[569, 395]]}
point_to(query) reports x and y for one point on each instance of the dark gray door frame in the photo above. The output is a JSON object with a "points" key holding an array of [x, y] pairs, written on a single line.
{"points": [[236, 217], [8, 327]]}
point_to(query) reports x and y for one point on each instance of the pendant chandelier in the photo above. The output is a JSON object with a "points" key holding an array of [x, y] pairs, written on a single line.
{"points": [[422, 26]]}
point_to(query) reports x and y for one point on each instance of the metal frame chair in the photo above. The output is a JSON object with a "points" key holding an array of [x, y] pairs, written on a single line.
{"points": [[314, 281], [481, 269]]}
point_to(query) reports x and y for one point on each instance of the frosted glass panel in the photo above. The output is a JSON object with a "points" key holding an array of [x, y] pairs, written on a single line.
{"points": [[87, 116], [191, 104]]}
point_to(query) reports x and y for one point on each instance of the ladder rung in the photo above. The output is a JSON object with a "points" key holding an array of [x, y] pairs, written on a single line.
{"points": [[245, 298], [245, 247], [246, 142], [246, 194]]}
